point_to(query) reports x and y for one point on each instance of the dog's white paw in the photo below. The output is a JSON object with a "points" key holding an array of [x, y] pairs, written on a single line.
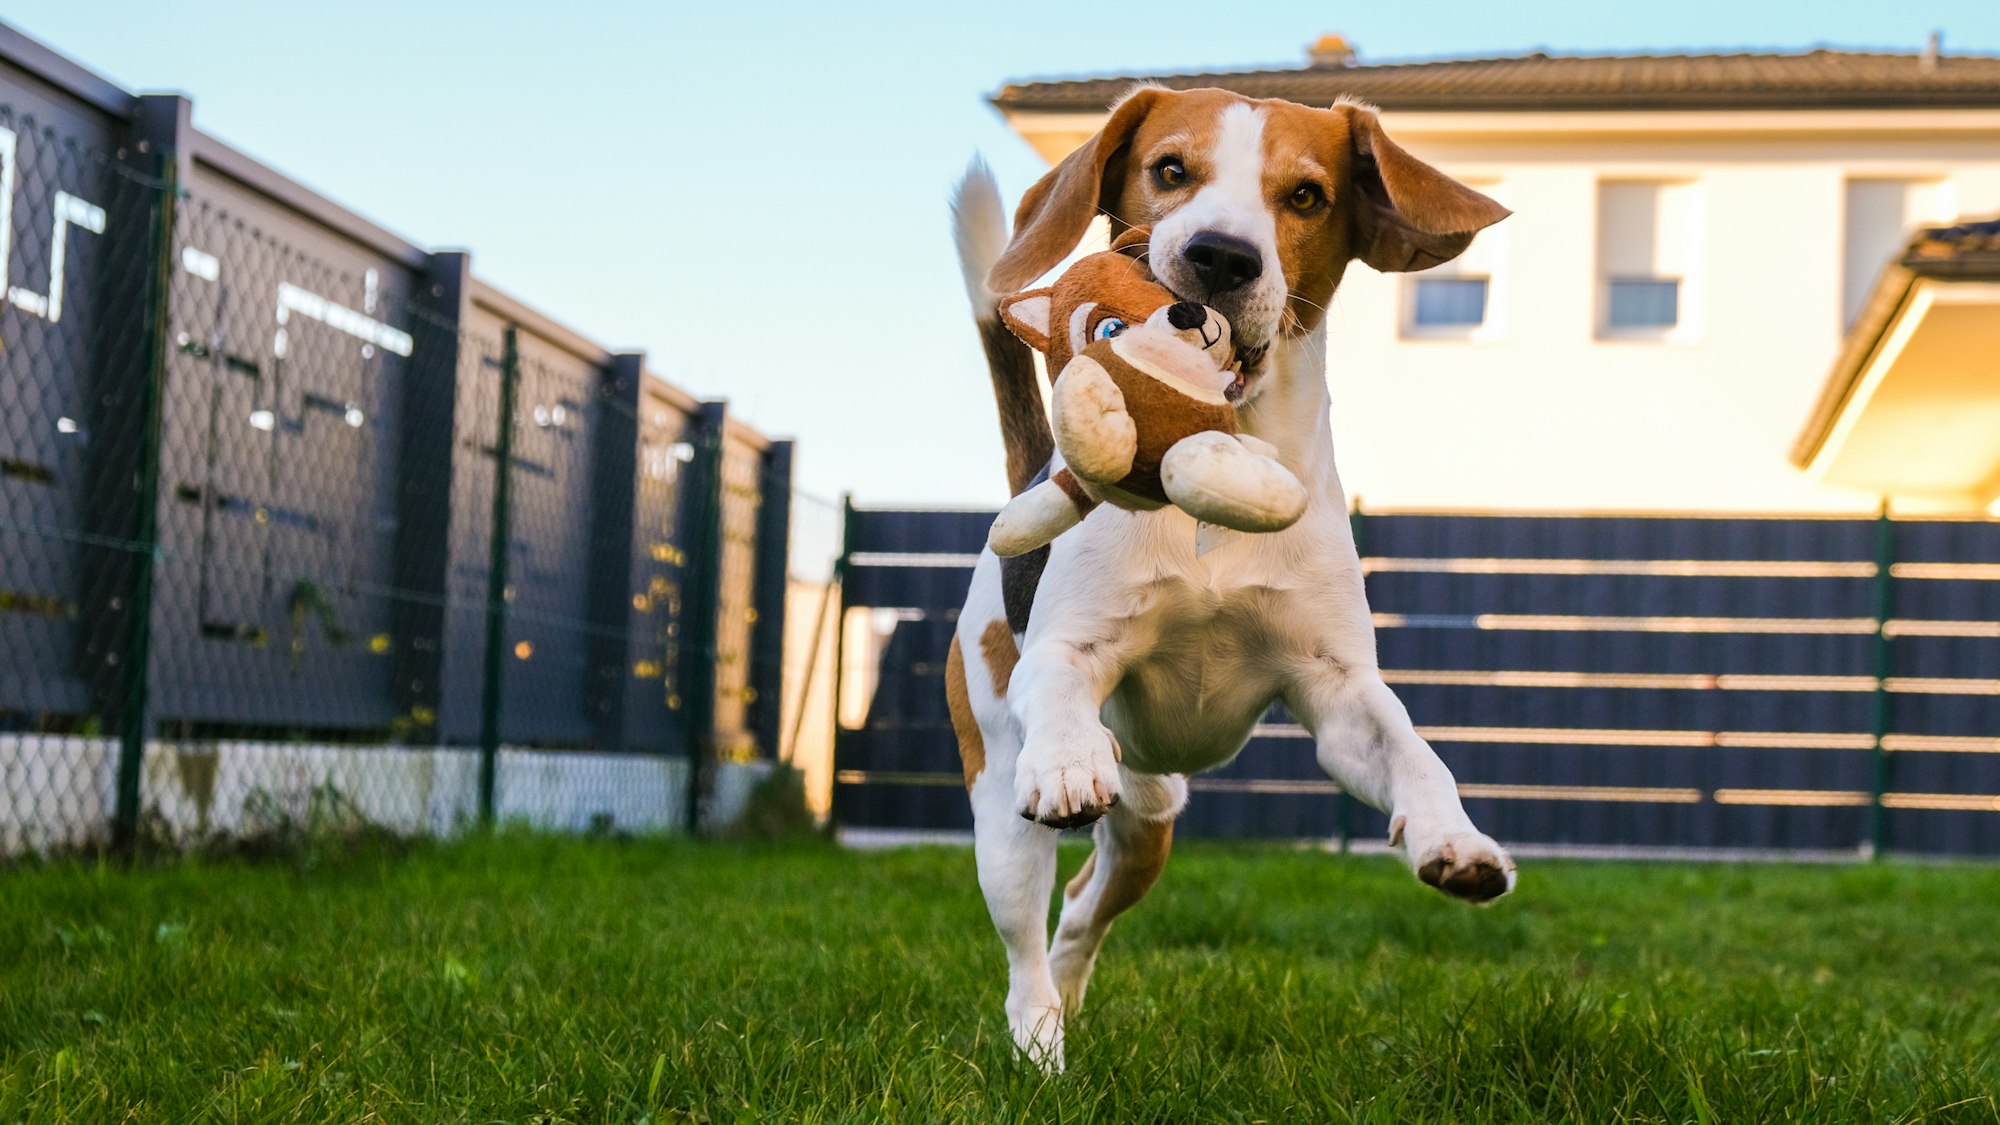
{"points": [[1067, 787], [1038, 1034], [1464, 865]]}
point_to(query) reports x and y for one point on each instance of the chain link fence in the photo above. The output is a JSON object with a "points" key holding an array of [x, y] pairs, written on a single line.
{"points": [[294, 538]]}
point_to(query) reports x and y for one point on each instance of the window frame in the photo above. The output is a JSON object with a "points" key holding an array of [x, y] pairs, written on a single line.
{"points": [[1690, 283]]}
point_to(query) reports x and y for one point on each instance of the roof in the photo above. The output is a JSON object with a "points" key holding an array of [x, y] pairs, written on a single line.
{"points": [[1965, 252], [1820, 79]]}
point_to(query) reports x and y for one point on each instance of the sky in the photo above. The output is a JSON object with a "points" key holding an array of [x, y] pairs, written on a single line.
{"points": [[754, 193]]}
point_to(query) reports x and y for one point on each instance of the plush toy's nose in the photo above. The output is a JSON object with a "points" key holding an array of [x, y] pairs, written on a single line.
{"points": [[1187, 314]]}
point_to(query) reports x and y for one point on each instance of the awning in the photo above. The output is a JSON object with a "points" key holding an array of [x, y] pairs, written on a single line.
{"points": [[1912, 408]]}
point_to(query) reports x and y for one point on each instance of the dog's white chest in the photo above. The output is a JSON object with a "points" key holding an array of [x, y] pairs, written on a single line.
{"points": [[1215, 665]]}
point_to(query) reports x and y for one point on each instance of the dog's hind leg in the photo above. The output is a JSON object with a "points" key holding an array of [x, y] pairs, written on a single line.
{"points": [[1017, 872], [1132, 845]]}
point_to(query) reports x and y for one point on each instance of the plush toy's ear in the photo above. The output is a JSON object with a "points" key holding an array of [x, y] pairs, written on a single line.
{"points": [[1133, 242], [1027, 316], [1410, 215]]}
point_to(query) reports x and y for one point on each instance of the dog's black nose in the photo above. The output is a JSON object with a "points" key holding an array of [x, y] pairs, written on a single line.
{"points": [[1222, 262], [1187, 314]]}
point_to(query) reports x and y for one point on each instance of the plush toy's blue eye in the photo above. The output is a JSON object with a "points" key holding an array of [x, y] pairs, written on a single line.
{"points": [[1108, 327]]}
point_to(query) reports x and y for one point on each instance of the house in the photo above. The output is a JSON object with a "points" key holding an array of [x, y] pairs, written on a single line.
{"points": [[1697, 241]]}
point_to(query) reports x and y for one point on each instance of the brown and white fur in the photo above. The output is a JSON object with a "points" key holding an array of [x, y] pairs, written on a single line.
{"points": [[1139, 662]]}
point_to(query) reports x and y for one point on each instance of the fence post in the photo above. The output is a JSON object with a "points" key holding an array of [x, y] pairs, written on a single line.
{"points": [[425, 444], [501, 532], [767, 600], [614, 492], [840, 647], [1885, 605], [701, 601], [163, 123], [1357, 523]]}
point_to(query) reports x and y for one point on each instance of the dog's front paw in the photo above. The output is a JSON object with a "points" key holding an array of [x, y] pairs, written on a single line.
{"points": [[1464, 865], [1068, 787]]}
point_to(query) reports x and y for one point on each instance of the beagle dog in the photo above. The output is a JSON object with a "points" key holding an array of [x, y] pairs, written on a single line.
{"points": [[1087, 679]]}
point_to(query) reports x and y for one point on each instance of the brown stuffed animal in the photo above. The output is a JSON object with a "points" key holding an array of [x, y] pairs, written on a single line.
{"points": [[1139, 407]]}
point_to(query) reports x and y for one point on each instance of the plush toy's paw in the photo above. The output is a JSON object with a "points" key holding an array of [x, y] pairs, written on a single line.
{"points": [[1257, 445], [1216, 478], [1098, 439], [1032, 519]]}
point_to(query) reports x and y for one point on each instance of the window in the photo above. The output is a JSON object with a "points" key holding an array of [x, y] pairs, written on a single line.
{"points": [[1879, 216], [1462, 298], [1449, 302], [1643, 302], [1647, 248]]}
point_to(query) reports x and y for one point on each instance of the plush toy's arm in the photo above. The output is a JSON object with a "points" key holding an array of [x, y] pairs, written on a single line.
{"points": [[1219, 479], [1257, 445], [1037, 516], [1096, 436]]}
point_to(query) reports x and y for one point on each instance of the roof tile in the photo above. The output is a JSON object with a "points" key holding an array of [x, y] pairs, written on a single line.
{"points": [[1820, 79]]}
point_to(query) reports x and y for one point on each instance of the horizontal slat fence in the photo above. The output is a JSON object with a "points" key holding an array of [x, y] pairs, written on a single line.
{"points": [[1798, 684]]}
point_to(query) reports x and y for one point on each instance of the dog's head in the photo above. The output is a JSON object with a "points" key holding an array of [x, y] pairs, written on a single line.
{"points": [[1255, 207]]}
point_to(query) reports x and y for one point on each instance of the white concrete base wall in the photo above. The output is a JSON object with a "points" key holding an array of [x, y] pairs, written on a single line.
{"points": [[59, 791], [56, 791]]}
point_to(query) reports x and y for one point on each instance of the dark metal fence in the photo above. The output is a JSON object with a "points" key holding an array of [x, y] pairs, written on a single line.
{"points": [[1651, 682], [298, 521]]}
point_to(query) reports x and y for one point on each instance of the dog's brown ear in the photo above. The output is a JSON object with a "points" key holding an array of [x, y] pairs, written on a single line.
{"points": [[1055, 213], [1410, 216], [1027, 316]]}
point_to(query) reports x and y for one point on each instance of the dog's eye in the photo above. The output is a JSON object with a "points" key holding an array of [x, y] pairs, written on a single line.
{"points": [[1306, 198], [1170, 172], [1108, 327]]}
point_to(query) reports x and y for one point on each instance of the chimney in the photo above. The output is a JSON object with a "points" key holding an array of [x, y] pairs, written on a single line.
{"points": [[1331, 53], [1933, 47]]}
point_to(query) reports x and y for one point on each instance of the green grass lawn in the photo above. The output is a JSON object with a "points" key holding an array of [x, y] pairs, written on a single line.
{"points": [[534, 979]]}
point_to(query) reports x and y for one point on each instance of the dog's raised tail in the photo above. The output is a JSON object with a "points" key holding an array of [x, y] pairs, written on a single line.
{"points": [[979, 226]]}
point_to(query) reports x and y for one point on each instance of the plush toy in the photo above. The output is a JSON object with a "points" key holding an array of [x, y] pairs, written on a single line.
{"points": [[1139, 408]]}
